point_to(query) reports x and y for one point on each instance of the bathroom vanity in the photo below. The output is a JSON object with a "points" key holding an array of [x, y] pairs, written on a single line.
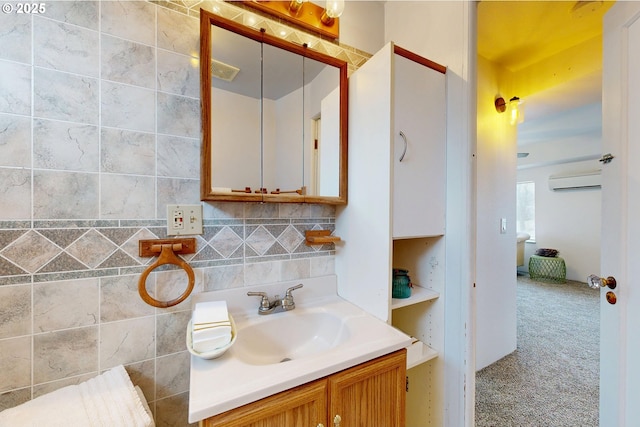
{"points": [[371, 393], [309, 362]]}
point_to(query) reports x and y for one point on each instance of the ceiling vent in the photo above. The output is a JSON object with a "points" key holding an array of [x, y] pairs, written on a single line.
{"points": [[576, 181], [223, 71]]}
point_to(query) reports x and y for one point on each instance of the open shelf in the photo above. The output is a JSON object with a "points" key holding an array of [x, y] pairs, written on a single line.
{"points": [[418, 353], [418, 294]]}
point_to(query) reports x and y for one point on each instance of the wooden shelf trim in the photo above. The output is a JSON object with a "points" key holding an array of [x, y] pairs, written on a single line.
{"points": [[418, 294]]}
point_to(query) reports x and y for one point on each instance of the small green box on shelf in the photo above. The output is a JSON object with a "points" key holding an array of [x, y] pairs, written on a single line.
{"points": [[401, 284]]}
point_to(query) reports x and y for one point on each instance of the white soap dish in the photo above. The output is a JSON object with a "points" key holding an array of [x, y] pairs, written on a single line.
{"points": [[216, 352]]}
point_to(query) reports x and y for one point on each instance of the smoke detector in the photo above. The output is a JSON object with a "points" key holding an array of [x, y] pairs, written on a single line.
{"points": [[223, 71]]}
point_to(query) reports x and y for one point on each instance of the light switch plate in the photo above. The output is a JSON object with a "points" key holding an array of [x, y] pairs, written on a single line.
{"points": [[184, 220], [503, 225]]}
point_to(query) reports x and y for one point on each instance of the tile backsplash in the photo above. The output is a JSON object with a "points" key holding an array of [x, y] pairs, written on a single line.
{"points": [[99, 130]]}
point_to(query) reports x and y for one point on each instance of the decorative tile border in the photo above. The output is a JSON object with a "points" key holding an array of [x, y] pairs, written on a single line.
{"points": [[63, 250]]}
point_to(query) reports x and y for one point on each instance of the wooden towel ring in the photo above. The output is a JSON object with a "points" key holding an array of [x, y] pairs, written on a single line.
{"points": [[167, 256]]}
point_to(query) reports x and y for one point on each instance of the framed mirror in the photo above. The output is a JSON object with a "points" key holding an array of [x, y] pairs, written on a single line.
{"points": [[274, 118]]}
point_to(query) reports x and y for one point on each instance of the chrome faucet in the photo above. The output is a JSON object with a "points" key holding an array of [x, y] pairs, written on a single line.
{"points": [[268, 307]]}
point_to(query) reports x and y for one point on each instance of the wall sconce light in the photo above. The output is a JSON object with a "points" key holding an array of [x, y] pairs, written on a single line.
{"points": [[333, 9], [501, 105], [516, 112]]}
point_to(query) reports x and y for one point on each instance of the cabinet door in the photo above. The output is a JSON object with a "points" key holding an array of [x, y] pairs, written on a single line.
{"points": [[419, 179], [302, 406], [370, 394]]}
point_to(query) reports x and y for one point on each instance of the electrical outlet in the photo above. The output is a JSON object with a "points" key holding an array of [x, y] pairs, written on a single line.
{"points": [[184, 220]]}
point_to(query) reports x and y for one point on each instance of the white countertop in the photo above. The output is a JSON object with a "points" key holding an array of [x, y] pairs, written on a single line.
{"points": [[227, 382]]}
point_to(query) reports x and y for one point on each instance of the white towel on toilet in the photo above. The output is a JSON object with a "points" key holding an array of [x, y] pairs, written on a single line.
{"points": [[108, 400]]}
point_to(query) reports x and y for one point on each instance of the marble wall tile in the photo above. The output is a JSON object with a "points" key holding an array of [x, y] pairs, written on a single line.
{"points": [[45, 388], [136, 201], [261, 210], [15, 140], [128, 62], [322, 211], [82, 13], [224, 210], [63, 354], [173, 283], [15, 311], [178, 33], [14, 398], [223, 277], [92, 248], [65, 96], [294, 210], [131, 20], [15, 37], [178, 115], [15, 363], [15, 88], [262, 272], [127, 341], [172, 191], [226, 242], [119, 299], [143, 375], [65, 47], [178, 74], [178, 157], [65, 195], [127, 152], [171, 329], [172, 374], [65, 145], [295, 269], [31, 251], [63, 305], [173, 411], [128, 107], [322, 266]]}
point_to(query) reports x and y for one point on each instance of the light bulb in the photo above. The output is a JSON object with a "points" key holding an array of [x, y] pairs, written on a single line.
{"points": [[335, 8]]}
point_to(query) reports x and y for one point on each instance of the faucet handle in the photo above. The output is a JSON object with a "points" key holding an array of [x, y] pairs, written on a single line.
{"points": [[264, 302], [291, 289], [287, 301]]}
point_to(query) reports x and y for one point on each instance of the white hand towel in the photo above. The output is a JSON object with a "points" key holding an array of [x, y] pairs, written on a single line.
{"points": [[109, 400], [211, 327], [210, 312]]}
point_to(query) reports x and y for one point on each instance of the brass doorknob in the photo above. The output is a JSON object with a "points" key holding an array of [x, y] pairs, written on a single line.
{"points": [[597, 282]]}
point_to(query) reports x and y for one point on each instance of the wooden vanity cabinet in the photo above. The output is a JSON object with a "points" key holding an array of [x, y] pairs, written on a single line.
{"points": [[369, 394]]}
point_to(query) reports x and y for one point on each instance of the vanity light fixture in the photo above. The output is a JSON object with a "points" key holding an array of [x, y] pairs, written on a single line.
{"points": [[295, 6], [333, 10], [305, 14]]}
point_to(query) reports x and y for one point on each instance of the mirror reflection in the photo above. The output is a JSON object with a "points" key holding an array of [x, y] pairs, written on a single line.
{"points": [[274, 118]]}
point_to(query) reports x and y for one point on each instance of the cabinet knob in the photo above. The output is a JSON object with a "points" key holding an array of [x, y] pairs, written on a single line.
{"points": [[320, 425], [336, 421]]}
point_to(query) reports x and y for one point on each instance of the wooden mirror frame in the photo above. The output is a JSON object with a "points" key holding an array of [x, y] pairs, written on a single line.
{"points": [[207, 20]]}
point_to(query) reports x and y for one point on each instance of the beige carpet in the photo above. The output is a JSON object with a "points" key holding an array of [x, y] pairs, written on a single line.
{"points": [[552, 379]]}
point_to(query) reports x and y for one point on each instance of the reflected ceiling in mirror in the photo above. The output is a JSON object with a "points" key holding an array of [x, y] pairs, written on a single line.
{"points": [[274, 118]]}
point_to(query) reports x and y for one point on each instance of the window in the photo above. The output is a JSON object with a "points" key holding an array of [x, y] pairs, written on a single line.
{"points": [[526, 208]]}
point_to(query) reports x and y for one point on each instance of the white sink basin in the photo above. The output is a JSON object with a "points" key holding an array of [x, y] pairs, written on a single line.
{"points": [[324, 334], [283, 337]]}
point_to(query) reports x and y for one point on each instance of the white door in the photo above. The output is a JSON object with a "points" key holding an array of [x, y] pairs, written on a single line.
{"points": [[620, 322]]}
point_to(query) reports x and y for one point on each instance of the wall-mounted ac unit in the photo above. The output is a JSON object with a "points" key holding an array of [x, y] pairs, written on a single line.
{"points": [[576, 180]]}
